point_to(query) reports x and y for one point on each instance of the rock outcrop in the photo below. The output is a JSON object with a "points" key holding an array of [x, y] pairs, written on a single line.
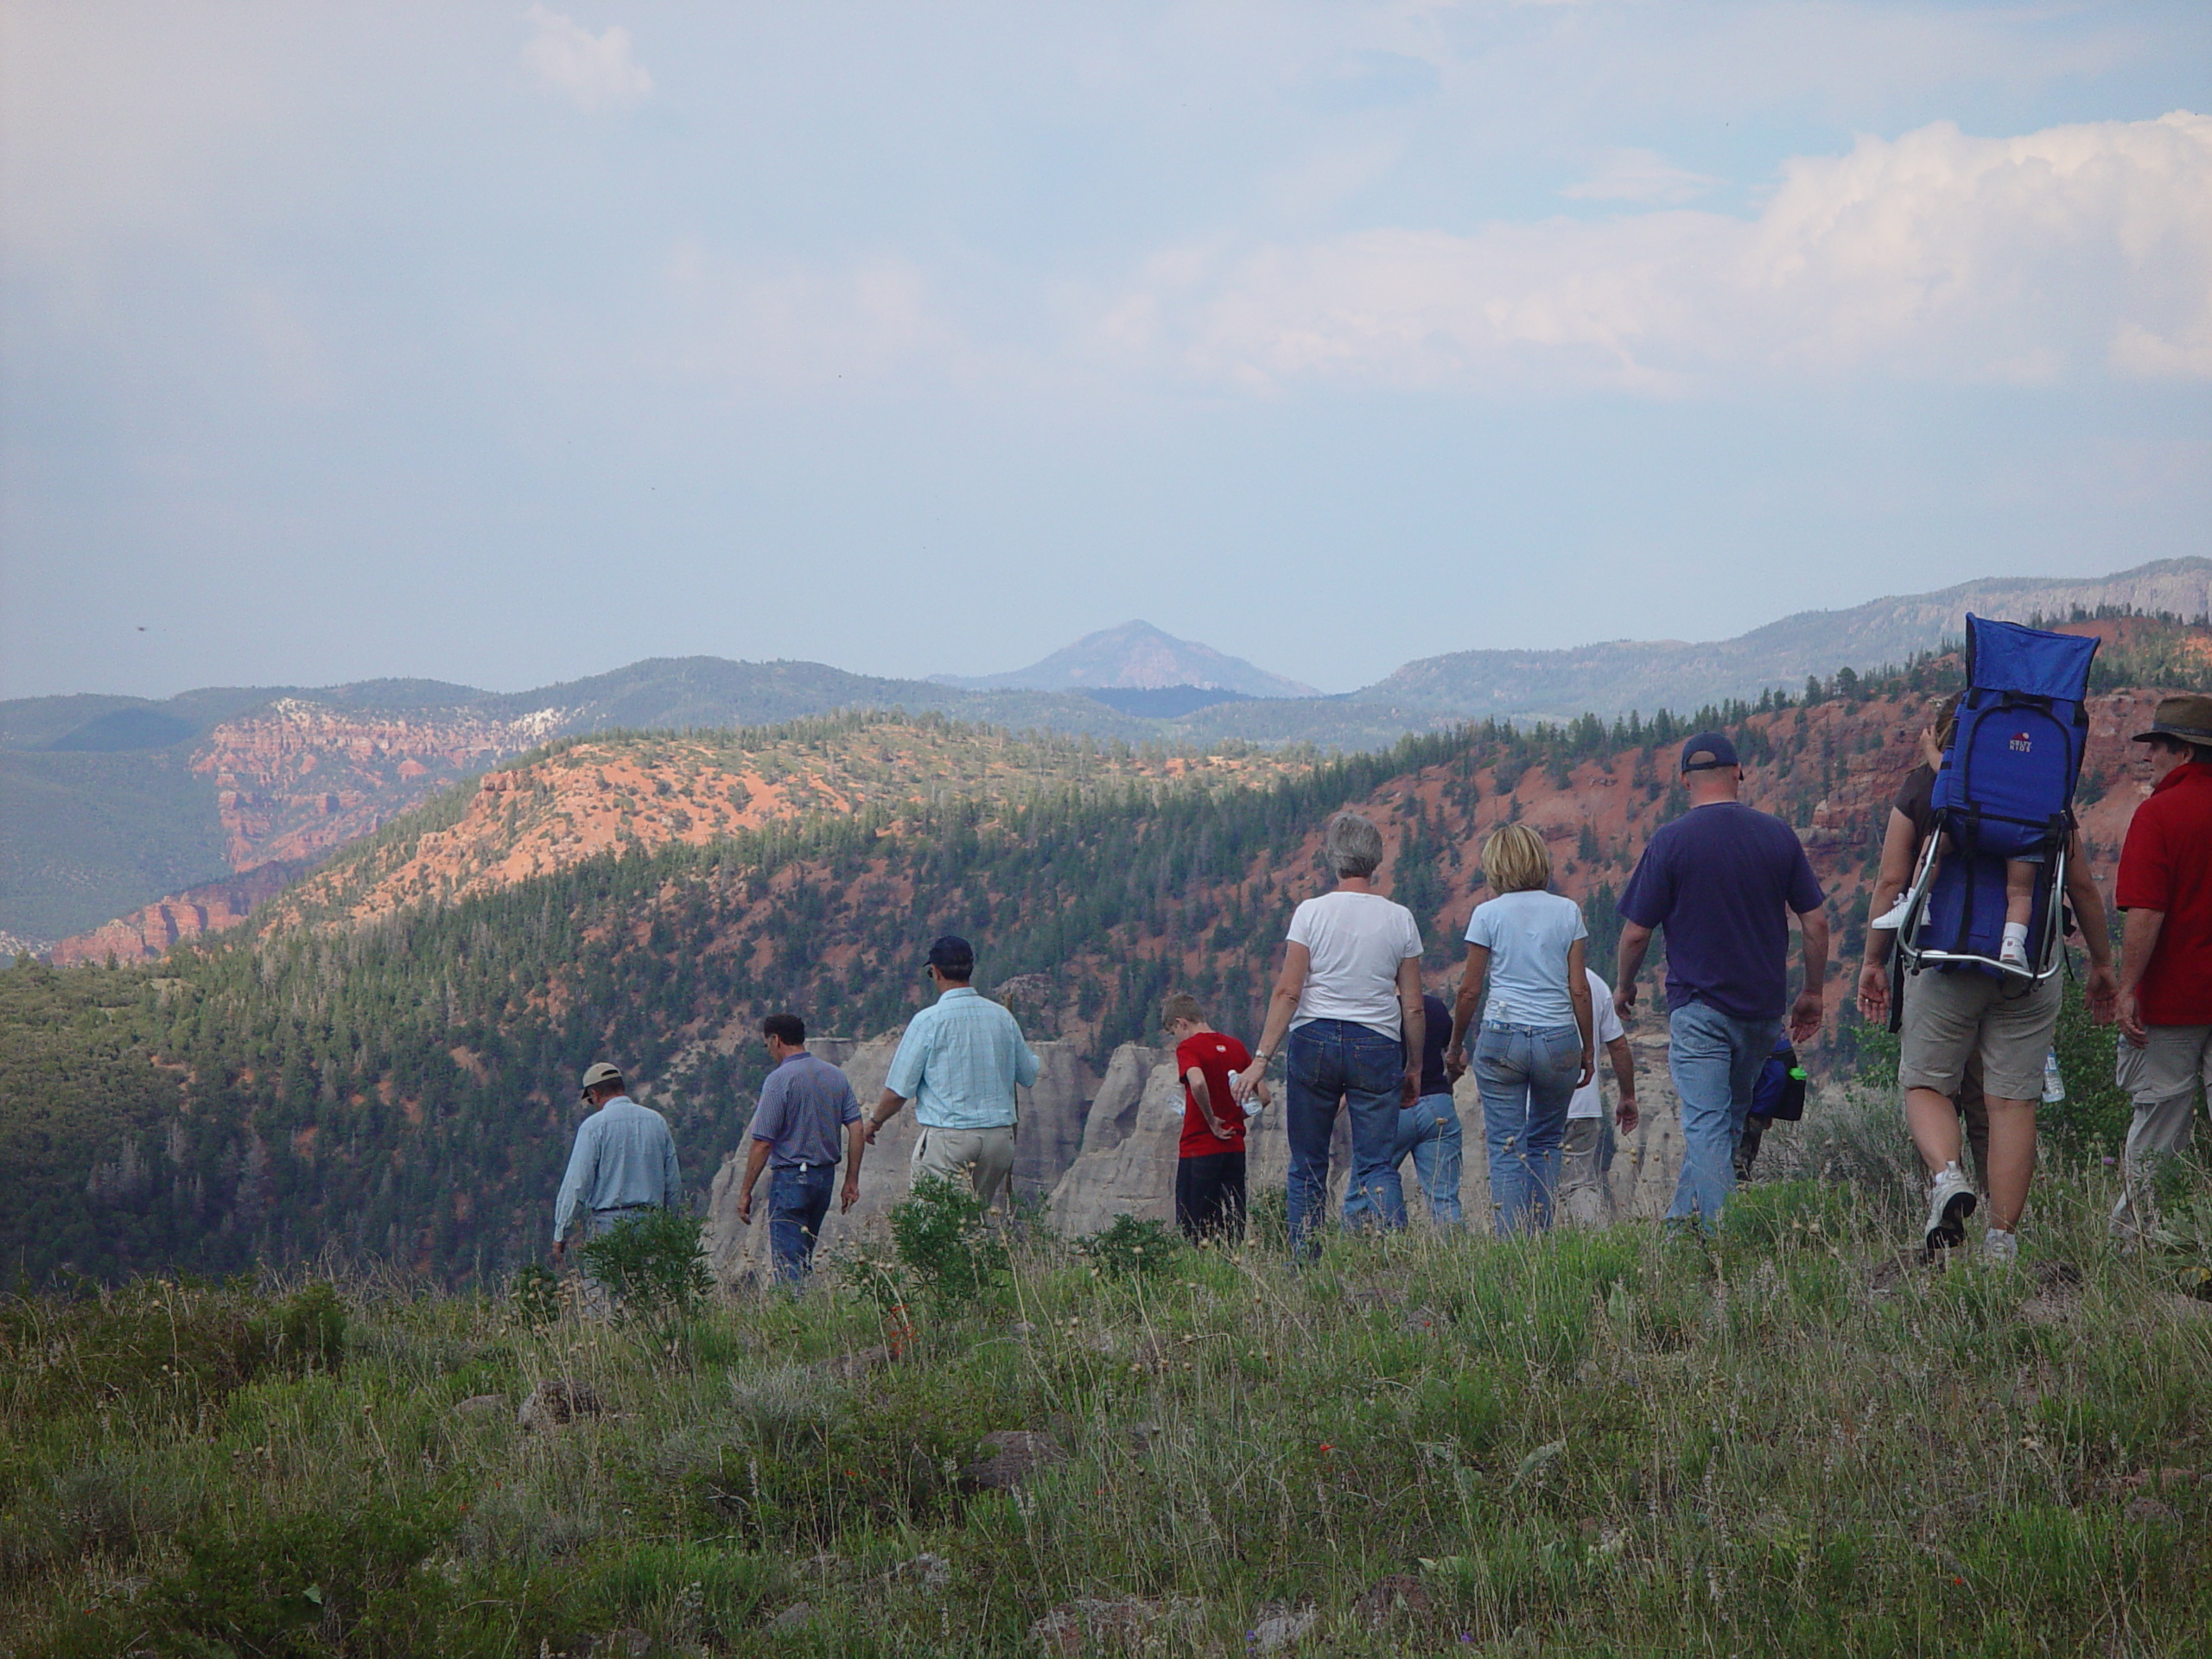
{"points": [[1049, 1133], [299, 779], [1127, 1163], [145, 935]]}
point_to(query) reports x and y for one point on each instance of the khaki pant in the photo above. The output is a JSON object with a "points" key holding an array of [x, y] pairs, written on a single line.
{"points": [[2162, 1078], [984, 1157], [1951, 1018], [1586, 1196]]}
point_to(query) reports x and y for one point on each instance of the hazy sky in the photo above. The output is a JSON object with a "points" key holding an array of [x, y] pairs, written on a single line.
{"points": [[508, 343]]}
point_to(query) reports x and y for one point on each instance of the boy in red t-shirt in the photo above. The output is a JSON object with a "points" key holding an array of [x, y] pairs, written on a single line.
{"points": [[1210, 1171]]}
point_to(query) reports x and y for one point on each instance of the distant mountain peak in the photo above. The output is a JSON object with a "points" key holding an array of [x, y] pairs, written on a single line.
{"points": [[1136, 656]]}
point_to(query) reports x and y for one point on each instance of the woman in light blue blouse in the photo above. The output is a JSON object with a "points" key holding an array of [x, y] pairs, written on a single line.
{"points": [[1533, 1051]]}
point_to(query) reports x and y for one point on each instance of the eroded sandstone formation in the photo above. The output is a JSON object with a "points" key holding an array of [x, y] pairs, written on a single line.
{"points": [[1129, 1146], [1048, 1134], [146, 934]]}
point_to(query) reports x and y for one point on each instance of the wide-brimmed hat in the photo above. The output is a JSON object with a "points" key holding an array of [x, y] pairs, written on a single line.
{"points": [[599, 1071], [2186, 718]]}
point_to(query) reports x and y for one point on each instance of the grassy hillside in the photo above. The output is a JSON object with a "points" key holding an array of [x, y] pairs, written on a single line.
{"points": [[1605, 1443]]}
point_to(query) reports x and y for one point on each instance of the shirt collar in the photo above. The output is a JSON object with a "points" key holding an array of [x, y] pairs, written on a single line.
{"points": [[952, 991], [2193, 771]]}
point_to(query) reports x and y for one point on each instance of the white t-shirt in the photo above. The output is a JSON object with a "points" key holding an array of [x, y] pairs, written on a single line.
{"points": [[1357, 941], [1606, 1028], [1527, 935]]}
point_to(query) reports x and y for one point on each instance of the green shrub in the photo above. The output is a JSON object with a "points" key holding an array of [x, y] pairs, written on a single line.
{"points": [[1131, 1246], [310, 1329], [535, 1295], [944, 1239], [651, 1263]]}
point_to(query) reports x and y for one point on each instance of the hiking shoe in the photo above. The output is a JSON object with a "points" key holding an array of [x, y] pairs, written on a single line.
{"points": [[1952, 1202], [1893, 917], [2000, 1248]]}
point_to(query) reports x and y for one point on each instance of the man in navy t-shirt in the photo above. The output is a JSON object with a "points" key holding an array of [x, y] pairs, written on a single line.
{"points": [[1723, 880]]}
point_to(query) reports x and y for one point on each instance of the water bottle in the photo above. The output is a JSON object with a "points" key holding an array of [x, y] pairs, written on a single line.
{"points": [[2054, 1086]]}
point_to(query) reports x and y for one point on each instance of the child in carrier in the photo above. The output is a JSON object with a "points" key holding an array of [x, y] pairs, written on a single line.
{"points": [[2002, 788], [2020, 903]]}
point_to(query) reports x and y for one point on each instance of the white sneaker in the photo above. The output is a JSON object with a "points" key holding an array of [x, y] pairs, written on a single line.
{"points": [[2013, 952], [2000, 1248], [1948, 1207], [1893, 917]]}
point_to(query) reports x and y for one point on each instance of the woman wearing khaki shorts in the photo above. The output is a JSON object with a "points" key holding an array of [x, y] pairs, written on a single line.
{"points": [[1950, 1017]]}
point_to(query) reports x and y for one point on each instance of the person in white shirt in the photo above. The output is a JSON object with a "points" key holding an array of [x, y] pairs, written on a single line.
{"points": [[1534, 1048], [1349, 1001], [1586, 1152]]}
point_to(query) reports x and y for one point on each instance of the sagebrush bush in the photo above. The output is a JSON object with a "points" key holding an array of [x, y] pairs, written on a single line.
{"points": [[1129, 1245], [651, 1263], [944, 1238]]}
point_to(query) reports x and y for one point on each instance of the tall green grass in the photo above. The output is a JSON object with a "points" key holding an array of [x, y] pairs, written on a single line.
{"points": [[1784, 1438]]}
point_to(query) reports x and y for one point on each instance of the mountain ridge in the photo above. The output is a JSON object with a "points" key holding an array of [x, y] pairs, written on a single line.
{"points": [[1136, 656], [93, 830], [1611, 677]]}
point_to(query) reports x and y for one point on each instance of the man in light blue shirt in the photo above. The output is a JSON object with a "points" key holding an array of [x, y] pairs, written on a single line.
{"points": [[960, 1063], [623, 1164]]}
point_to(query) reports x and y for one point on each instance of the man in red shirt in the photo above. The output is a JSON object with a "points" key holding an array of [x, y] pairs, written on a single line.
{"points": [[2165, 965], [1210, 1169]]}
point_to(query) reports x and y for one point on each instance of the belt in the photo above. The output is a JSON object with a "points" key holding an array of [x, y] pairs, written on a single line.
{"points": [[623, 1208]]}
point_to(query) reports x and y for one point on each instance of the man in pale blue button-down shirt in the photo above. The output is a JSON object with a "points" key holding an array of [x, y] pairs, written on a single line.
{"points": [[960, 1063], [623, 1164]]}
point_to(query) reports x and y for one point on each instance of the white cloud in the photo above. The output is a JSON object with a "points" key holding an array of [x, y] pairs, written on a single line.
{"points": [[595, 70], [1643, 177], [2077, 249]]}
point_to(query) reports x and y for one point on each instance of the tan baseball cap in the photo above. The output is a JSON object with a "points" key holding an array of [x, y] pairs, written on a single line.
{"points": [[599, 1071]]}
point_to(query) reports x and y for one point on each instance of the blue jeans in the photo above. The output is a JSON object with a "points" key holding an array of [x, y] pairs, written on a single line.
{"points": [[1429, 1130], [1333, 1060], [1527, 1074], [1715, 1060], [798, 1202]]}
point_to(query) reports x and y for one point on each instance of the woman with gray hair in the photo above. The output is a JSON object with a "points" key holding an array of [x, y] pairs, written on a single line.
{"points": [[1349, 1000]]}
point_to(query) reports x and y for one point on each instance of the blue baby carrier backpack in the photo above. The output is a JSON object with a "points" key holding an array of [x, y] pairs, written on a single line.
{"points": [[2005, 790]]}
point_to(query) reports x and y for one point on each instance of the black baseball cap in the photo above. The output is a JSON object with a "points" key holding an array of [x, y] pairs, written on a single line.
{"points": [[1708, 752], [954, 955]]}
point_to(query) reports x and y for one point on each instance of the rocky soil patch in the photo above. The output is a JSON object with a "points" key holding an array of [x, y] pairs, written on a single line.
{"points": [[1014, 1455], [558, 1403]]}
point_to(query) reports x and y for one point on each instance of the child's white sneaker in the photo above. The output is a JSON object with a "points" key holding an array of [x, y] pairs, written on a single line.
{"points": [[1893, 917], [2013, 952]]}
